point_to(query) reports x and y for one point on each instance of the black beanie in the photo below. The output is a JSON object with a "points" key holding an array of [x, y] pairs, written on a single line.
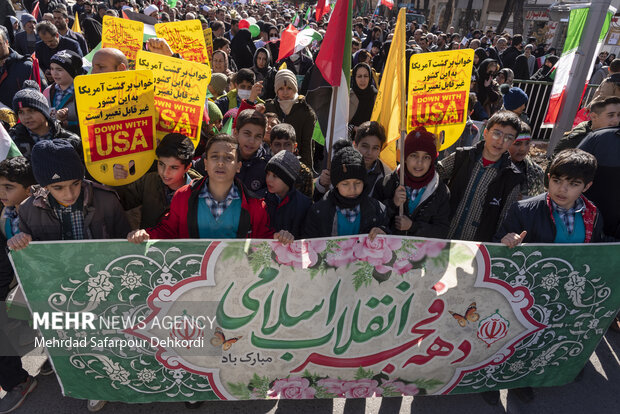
{"points": [[285, 166], [31, 98], [347, 163], [55, 160], [69, 61]]}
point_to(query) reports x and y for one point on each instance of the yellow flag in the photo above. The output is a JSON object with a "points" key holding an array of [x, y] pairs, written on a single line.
{"points": [[389, 109], [76, 24]]}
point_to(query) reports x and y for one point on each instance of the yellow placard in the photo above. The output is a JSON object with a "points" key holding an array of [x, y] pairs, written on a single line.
{"points": [[180, 93], [117, 121], [185, 38], [209, 43], [123, 34], [438, 92]]}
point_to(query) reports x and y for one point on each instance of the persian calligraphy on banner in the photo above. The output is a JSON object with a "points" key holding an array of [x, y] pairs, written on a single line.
{"points": [[185, 38], [322, 318], [123, 34], [438, 92], [117, 123], [209, 43], [180, 93]]}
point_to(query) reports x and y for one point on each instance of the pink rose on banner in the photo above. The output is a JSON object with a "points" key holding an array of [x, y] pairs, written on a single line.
{"points": [[378, 251], [295, 388], [363, 388], [332, 386], [345, 255], [299, 254], [427, 249], [404, 389]]}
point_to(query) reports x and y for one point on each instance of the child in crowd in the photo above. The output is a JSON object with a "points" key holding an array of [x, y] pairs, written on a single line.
{"points": [[561, 215], [218, 86], [283, 137], [369, 141], [248, 131], [217, 206], [64, 66], [519, 154], [425, 198], [65, 206], [286, 206], [515, 100], [482, 180], [272, 120], [36, 123], [245, 87], [154, 190], [346, 209], [15, 180]]}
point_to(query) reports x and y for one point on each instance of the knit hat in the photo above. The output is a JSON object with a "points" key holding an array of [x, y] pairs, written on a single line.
{"points": [[285, 77], [28, 18], [55, 160], [286, 166], [150, 9], [513, 97], [215, 114], [219, 82], [31, 98], [421, 140], [13, 19], [347, 163], [69, 61]]}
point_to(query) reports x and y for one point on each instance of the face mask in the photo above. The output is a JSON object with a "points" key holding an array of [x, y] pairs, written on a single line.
{"points": [[243, 93], [288, 104], [273, 39]]}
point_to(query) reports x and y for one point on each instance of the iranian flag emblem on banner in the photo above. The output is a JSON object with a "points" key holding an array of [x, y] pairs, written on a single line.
{"points": [[563, 68]]}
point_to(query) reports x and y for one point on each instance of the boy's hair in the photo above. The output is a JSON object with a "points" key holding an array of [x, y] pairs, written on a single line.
{"points": [[251, 116], [227, 138], [370, 128], [355, 42], [614, 66], [598, 106], [220, 42], [505, 118], [244, 74], [271, 115], [178, 146], [525, 128], [283, 131], [18, 170], [574, 163]]}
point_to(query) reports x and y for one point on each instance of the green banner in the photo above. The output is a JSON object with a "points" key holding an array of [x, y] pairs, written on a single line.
{"points": [[323, 318]]}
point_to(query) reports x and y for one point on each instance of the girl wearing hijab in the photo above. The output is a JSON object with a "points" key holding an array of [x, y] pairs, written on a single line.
{"points": [[480, 55], [486, 89], [292, 108], [505, 75], [361, 97], [264, 72], [242, 49]]}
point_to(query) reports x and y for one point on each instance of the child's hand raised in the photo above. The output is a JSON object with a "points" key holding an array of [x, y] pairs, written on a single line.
{"points": [[374, 232], [400, 195], [256, 90], [403, 223], [19, 241], [138, 236], [284, 237], [324, 179], [513, 239]]}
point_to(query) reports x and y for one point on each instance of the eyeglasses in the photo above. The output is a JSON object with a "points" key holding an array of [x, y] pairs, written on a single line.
{"points": [[497, 135]]}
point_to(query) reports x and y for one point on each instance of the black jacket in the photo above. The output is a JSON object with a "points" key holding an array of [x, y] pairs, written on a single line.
{"points": [[321, 218], [509, 56], [22, 138], [18, 68], [288, 214], [45, 53], [252, 173], [431, 218], [534, 215]]}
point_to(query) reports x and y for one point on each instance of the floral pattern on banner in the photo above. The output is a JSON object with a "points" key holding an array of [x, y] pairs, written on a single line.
{"points": [[555, 284]]}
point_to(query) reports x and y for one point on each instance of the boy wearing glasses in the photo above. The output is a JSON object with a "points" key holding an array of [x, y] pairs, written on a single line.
{"points": [[483, 181]]}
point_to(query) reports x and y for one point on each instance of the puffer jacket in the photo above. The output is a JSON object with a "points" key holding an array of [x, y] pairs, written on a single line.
{"points": [[24, 141]]}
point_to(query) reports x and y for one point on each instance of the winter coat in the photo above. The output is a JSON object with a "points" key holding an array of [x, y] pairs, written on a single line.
{"points": [[252, 173], [16, 70], [302, 118], [289, 213], [45, 53], [322, 221], [431, 217], [149, 192], [21, 43], [104, 217], [72, 116], [509, 56], [573, 138], [535, 215], [181, 222], [24, 141]]}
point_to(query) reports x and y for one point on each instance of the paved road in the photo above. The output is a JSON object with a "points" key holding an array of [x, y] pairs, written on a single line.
{"points": [[597, 392]]}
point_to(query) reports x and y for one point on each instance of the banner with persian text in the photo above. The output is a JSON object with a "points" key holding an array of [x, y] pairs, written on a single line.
{"points": [[323, 318]]}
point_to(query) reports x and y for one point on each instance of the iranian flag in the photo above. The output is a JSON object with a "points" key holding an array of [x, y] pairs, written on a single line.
{"points": [[564, 67], [322, 8], [334, 64], [293, 40], [8, 149], [388, 3]]}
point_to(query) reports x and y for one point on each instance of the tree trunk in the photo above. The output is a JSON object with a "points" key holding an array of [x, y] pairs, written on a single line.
{"points": [[426, 10], [517, 18], [468, 16], [446, 17], [503, 21]]}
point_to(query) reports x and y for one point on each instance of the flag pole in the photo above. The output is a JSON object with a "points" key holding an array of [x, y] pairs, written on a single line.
{"points": [[331, 121], [403, 120]]}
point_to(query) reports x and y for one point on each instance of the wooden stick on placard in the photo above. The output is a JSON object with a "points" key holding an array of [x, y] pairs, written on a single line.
{"points": [[330, 133]]}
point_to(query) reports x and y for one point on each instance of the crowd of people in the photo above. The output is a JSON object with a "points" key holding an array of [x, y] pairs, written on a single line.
{"points": [[269, 178]]}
